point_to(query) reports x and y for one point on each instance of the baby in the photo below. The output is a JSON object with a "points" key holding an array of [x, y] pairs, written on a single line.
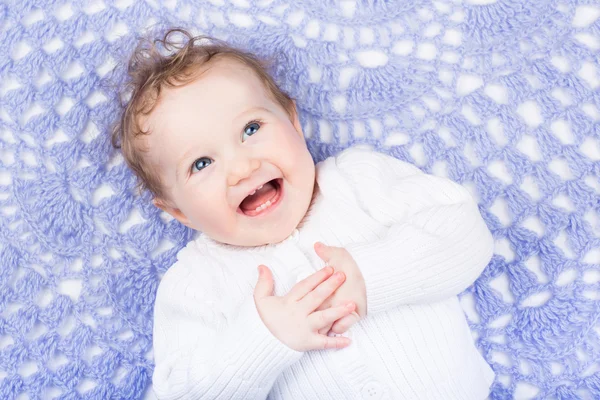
{"points": [[334, 281]]}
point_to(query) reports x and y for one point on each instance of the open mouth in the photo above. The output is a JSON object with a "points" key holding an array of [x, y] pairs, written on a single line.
{"points": [[263, 200]]}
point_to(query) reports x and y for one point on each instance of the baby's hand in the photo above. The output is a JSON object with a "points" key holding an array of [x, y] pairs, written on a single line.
{"points": [[353, 289], [294, 318]]}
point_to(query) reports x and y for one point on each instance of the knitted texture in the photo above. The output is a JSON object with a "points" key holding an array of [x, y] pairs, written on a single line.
{"points": [[502, 97]]}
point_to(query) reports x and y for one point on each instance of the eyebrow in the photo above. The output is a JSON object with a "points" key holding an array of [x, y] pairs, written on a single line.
{"points": [[186, 155]]}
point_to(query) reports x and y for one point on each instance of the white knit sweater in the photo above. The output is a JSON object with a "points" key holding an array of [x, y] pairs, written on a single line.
{"points": [[418, 239]]}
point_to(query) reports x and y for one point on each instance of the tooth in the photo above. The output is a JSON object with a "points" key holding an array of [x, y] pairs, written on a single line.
{"points": [[268, 203], [260, 187], [252, 193], [258, 208]]}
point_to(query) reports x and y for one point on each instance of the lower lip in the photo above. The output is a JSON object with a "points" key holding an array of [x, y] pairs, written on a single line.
{"points": [[274, 203]]}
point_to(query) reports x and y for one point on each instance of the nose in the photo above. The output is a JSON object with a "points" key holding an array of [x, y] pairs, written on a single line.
{"points": [[241, 170]]}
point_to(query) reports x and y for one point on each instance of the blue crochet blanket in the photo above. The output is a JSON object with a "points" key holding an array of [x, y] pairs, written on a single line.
{"points": [[501, 96]]}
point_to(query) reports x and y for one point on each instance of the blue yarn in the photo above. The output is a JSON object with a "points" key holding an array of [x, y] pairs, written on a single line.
{"points": [[482, 94]]}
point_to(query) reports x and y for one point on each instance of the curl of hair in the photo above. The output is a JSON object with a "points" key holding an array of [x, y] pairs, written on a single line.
{"points": [[167, 62]]}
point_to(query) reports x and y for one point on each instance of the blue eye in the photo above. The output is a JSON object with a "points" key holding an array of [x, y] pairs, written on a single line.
{"points": [[250, 129], [200, 164]]}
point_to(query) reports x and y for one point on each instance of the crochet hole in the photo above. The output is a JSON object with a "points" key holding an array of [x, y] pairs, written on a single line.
{"points": [[418, 154], [85, 38], [38, 330], [592, 256], [534, 224], [241, 20], [64, 105], [500, 209], [95, 98], [432, 30], [452, 37], [372, 58], [590, 148], [566, 277], [90, 132], [311, 30], [593, 218], [71, 288], [91, 352], [481, 2], [469, 113], [10, 83], [531, 113], [525, 391], [504, 380], [27, 369], [73, 71], [563, 96], [348, 7], [561, 63], [107, 66], [528, 145], [345, 77], [561, 242], [498, 169], [500, 322], [585, 15], [86, 385], [331, 33], [587, 72], [116, 31], [396, 139], [403, 47], [561, 168], [32, 111], [366, 36], [53, 45], [591, 111], [63, 12], [564, 202], [94, 7], [58, 137], [426, 51], [537, 299], [134, 218], [20, 50], [57, 361], [504, 249], [502, 285], [588, 40], [467, 84], [325, 131], [6, 341], [34, 16], [501, 358], [295, 18]]}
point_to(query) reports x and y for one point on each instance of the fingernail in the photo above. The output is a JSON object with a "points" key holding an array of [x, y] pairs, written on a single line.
{"points": [[350, 306]]}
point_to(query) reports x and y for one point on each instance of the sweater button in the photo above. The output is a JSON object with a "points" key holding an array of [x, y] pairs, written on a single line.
{"points": [[372, 391]]}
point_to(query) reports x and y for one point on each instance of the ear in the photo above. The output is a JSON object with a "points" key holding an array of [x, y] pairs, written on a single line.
{"points": [[296, 120], [173, 211]]}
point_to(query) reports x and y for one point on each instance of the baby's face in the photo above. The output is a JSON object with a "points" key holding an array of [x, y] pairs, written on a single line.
{"points": [[232, 162]]}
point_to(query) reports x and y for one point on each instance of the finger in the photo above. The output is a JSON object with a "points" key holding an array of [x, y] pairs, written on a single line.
{"points": [[330, 342], [324, 252], [343, 324], [318, 295], [264, 287], [307, 284], [325, 318], [325, 330]]}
